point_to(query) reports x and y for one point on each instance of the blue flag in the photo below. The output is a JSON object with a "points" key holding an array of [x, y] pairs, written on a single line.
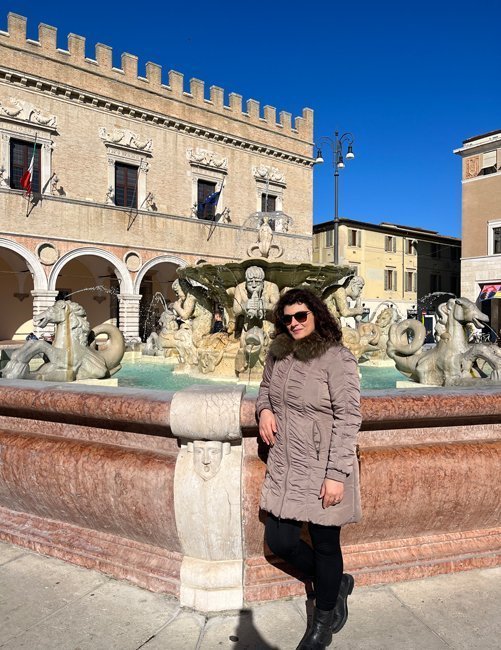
{"points": [[212, 199]]}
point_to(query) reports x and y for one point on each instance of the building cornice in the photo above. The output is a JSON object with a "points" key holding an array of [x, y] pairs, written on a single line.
{"points": [[399, 231], [101, 103], [479, 145], [109, 244], [483, 258]]}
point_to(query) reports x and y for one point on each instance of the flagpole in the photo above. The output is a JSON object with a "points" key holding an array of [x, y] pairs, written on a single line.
{"points": [[220, 191], [213, 227], [27, 177]]}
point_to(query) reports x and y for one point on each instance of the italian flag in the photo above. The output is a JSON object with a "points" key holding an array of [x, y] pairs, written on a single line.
{"points": [[27, 177]]}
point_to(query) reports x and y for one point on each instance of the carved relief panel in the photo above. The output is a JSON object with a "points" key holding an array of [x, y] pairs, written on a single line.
{"points": [[472, 167], [22, 120]]}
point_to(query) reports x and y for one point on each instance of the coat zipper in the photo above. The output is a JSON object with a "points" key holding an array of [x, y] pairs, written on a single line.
{"points": [[285, 438]]}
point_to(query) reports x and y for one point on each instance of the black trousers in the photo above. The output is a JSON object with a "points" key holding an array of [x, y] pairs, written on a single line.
{"points": [[322, 562]]}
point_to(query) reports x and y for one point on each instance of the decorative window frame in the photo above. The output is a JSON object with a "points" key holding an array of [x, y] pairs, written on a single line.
{"points": [[23, 120], [413, 278], [358, 238], [390, 244], [495, 223], [410, 245], [272, 180], [126, 147], [206, 166], [390, 277]]}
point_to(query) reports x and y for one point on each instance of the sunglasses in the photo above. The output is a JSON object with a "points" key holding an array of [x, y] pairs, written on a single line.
{"points": [[300, 317]]}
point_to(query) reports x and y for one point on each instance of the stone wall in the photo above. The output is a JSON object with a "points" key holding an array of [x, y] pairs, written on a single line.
{"points": [[162, 489]]}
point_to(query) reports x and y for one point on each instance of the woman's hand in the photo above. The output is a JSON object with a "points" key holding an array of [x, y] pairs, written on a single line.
{"points": [[331, 492], [267, 426]]}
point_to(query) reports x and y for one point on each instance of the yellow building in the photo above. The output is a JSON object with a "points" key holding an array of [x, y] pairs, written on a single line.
{"points": [[481, 223], [124, 164], [399, 264]]}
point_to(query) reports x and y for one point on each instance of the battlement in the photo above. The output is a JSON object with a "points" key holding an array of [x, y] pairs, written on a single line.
{"points": [[75, 55]]}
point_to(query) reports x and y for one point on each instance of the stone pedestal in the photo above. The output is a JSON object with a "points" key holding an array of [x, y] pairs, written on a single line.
{"points": [[129, 315], [207, 496]]}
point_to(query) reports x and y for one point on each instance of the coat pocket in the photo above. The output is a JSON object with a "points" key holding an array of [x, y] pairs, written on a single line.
{"points": [[316, 439]]}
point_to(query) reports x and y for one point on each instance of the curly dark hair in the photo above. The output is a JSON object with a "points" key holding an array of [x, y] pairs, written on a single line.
{"points": [[325, 323]]}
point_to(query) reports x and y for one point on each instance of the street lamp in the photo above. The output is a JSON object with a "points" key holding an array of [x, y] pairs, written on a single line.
{"points": [[337, 147]]}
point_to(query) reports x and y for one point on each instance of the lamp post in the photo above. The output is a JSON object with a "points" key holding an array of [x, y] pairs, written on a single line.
{"points": [[337, 147]]}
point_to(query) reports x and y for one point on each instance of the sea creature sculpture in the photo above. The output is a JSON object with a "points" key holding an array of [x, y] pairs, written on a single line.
{"points": [[453, 361], [76, 351]]}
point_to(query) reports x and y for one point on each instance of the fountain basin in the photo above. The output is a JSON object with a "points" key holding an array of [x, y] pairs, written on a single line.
{"points": [[158, 373], [103, 478]]}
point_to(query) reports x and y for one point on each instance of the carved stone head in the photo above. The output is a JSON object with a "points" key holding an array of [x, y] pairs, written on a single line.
{"points": [[207, 456], [254, 279], [355, 286]]}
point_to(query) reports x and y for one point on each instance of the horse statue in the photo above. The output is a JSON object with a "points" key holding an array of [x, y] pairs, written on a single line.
{"points": [[75, 353], [453, 361]]}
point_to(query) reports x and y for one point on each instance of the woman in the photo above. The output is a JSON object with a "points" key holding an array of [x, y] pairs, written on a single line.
{"points": [[309, 414]]}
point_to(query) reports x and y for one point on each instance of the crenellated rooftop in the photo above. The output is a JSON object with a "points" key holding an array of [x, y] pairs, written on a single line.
{"points": [[75, 55]]}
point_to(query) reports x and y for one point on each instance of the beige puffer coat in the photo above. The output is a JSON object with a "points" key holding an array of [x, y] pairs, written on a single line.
{"points": [[313, 389]]}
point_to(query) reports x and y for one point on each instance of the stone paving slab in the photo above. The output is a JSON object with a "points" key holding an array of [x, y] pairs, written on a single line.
{"points": [[184, 631], [378, 620], [111, 616], [33, 588], [8, 553], [272, 626], [48, 604], [463, 608]]}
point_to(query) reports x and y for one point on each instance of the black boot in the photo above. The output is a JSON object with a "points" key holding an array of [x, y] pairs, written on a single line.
{"points": [[341, 608], [319, 635]]}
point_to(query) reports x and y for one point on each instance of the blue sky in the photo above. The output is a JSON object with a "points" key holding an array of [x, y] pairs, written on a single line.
{"points": [[410, 80]]}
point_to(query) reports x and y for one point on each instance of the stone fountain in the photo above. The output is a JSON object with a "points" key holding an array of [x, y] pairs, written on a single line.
{"points": [[246, 293]]}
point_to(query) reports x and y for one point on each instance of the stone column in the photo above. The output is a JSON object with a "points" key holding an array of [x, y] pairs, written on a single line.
{"points": [[207, 497], [42, 300], [129, 315]]}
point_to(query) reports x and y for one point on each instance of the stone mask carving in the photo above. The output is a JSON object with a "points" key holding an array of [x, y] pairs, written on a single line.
{"points": [[207, 456]]}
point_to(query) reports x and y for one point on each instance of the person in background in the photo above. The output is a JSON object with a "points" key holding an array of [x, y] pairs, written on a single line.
{"points": [[309, 414], [217, 325], [32, 337]]}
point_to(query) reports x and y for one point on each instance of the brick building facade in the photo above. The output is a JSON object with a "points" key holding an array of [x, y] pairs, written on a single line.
{"points": [[124, 163]]}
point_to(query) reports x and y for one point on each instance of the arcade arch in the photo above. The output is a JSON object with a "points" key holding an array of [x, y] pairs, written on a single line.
{"points": [[79, 273], [21, 273], [155, 277]]}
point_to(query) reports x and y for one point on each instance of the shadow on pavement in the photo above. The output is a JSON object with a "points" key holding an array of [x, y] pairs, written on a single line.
{"points": [[246, 636]]}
